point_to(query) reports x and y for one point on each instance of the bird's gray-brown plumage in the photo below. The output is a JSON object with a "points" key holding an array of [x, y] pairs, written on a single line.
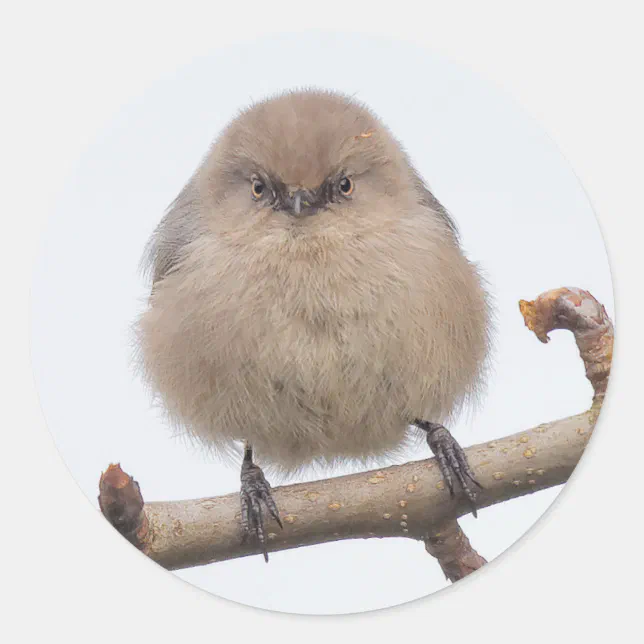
{"points": [[310, 294]]}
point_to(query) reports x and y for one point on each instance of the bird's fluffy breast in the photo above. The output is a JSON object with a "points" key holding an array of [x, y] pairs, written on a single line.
{"points": [[315, 360]]}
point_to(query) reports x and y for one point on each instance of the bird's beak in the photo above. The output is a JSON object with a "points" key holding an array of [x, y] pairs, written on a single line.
{"points": [[297, 202], [301, 203]]}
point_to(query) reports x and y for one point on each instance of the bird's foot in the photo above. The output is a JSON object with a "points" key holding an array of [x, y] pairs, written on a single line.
{"points": [[255, 492], [451, 459]]}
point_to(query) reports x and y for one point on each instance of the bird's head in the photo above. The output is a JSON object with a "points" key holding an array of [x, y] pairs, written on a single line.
{"points": [[305, 164]]}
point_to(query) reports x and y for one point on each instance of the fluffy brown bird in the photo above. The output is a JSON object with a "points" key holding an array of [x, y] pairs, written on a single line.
{"points": [[311, 298]]}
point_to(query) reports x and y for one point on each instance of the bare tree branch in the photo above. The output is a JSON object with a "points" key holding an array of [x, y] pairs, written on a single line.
{"points": [[182, 534], [406, 501]]}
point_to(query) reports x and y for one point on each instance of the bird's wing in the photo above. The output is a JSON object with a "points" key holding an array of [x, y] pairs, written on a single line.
{"points": [[175, 231], [427, 199]]}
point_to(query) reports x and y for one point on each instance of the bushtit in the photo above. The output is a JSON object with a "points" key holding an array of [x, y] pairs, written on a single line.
{"points": [[310, 298]]}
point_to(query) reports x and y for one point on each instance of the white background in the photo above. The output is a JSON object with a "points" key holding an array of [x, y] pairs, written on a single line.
{"points": [[555, 64]]}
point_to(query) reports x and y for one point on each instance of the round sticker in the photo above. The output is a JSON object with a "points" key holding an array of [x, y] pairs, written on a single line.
{"points": [[322, 324]]}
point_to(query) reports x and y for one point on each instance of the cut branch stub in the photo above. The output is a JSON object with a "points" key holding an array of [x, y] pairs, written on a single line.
{"points": [[578, 311], [122, 505]]}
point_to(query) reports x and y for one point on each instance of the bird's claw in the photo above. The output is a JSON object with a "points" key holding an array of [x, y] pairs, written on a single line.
{"points": [[451, 460], [255, 492]]}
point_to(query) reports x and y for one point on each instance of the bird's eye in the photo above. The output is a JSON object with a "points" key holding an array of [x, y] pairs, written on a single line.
{"points": [[257, 188], [345, 186]]}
